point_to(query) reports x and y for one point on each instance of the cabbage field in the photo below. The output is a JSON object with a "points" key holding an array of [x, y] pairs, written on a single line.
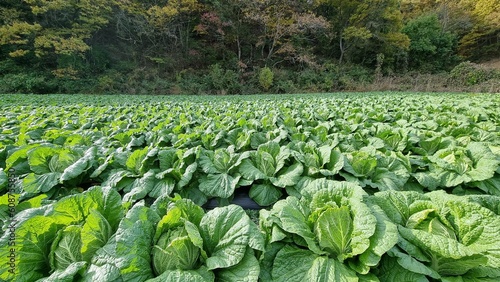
{"points": [[350, 187]]}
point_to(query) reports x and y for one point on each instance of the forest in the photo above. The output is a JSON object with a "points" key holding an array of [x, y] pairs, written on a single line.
{"points": [[246, 46]]}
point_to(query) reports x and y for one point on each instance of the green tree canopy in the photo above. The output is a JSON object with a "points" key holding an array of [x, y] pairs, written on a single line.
{"points": [[431, 48]]}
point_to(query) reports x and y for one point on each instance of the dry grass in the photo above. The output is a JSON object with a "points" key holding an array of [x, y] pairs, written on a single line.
{"points": [[492, 64], [419, 82], [429, 83]]}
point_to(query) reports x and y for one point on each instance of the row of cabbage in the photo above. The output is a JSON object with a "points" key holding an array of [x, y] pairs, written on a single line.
{"points": [[334, 231], [270, 171], [394, 124], [189, 147]]}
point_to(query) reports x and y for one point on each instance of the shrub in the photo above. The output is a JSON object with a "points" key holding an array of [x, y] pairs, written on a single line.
{"points": [[31, 82], [308, 79], [71, 86], [108, 82], [193, 85], [285, 86], [344, 77], [467, 73], [266, 77], [223, 81]]}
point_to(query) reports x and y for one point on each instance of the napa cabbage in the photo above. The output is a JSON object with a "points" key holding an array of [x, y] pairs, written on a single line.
{"points": [[330, 234], [455, 165], [441, 236], [270, 169], [217, 245], [62, 237]]}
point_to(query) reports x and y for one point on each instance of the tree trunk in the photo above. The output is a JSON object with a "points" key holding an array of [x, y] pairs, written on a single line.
{"points": [[342, 50]]}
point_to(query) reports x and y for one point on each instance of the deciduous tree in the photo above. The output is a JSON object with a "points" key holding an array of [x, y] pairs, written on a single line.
{"points": [[483, 40], [53, 29], [227, 31], [431, 48], [357, 24], [282, 22]]}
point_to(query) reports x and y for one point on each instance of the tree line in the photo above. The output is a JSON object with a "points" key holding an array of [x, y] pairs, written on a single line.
{"points": [[219, 46]]}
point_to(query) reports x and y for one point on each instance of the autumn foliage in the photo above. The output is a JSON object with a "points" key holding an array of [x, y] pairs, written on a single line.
{"points": [[98, 42]]}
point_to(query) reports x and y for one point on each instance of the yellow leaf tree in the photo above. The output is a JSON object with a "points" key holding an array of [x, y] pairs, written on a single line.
{"points": [[483, 39], [53, 28], [358, 24]]}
